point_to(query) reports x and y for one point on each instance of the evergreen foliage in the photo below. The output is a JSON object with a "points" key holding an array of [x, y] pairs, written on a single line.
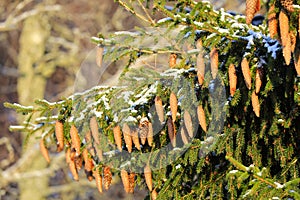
{"points": [[245, 154]]}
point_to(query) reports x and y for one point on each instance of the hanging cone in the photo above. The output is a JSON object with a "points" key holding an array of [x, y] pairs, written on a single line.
{"points": [[171, 131], [184, 137], [173, 105], [255, 104], [214, 62], [125, 180], [150, 134], [75, 139], [188, 123], [284, 35], [288, 5], [202, 118], [297, 60], [131, 182], [135, 139], [159, 109], [148, 177], [89, 143], [258, 80], [99, 56], [98, 179], [107, 177], [95, 130], [272, 21], [118, 137], [88, 162], [73, 170], [143, 130], [154, 195], [59, 133], [252, 6], [200, 63], [127, 137], [44, 150], [68, 155], [232, 79], [172, 60], [246, 72], [78, 162]]}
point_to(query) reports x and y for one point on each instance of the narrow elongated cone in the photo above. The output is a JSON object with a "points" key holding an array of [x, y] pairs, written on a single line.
{"points": [[288, 5], [284, 35], [297, 60], [272, 21], [75, 139], [173, 105], [252, 6], [135, 139], [202, 118], [98, 179], [95, 130], [68, 155], [214, 62], [89, 143], [159, 109], [184, 137], [246, 72], [88, 162], [59, 133], [287, 51], [99, 56], [150, 134], [148, 177], [143, 130], [258, 80], [107, 177], [118, 137], [131, 182], [154, 195], [232, 79], [255, 104], [73, 170], [188, 123], [125, 180], [44, 150], [172, 60], [127, 137], [171, 131], [200, 63]]}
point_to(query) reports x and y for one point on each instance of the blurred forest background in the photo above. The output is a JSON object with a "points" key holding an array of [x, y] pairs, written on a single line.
{"points": [[42, 45]]}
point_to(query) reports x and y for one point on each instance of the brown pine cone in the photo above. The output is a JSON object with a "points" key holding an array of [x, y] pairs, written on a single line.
{"points": [[288, 5], [59, 133], [272, 21], [232, 79], [143, 130], [107, 177], [252, 6]]}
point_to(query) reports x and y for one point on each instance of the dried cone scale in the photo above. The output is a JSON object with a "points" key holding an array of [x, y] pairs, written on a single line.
{"points": [[59, 133], [232, 79], [284, 35], [246, 72], [173, 105], [272, 21], [159, 109], [200, 63], [98, 179], [148, 177], [127, 137], [258, 80], [188, 123], [118, 137], [288, 5], [44, 150], [202, 118], [255, 104], [214, 62], [125, 180], [107, 177], [172, 60], [252, 6], [75, 139]]}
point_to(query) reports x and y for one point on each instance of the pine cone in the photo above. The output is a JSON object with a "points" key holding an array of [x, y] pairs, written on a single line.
{"points": [[68, 155], [135, 139], [125, 180], [200, 63], [131, 182], [127, 137], [252, 6], [214, 62], [288, 5], [184, 137], [89, 143], [188, 123], [118, 137], [94, 129], [159, 109], [154, 195], [59, 133], [258, 80], [150, 134], [44, 150], [246, 72], [285, 37], [232, 79], [98, 179], [143, 130], [148, 177], [75, 139], [107, 177], [73, 169], [255, 103], [202, 118], [272, 21], [173, 105], [172, 60], [171, 131], [88, 161]]}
